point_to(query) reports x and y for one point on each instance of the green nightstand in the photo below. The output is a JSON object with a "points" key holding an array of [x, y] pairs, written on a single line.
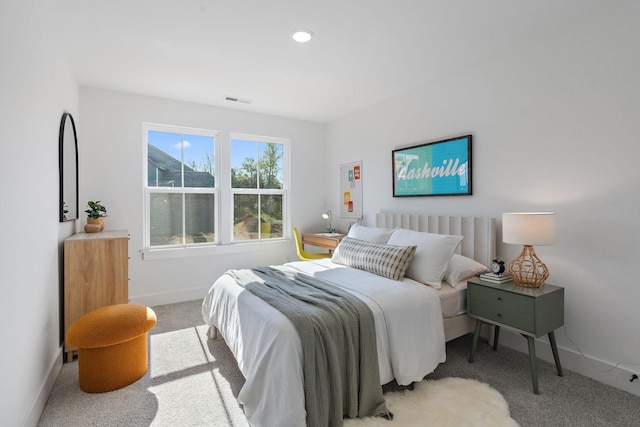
{"points": [[531, 312]]}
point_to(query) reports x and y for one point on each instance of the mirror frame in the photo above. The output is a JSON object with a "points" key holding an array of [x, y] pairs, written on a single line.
{"points": [[68, 187]]}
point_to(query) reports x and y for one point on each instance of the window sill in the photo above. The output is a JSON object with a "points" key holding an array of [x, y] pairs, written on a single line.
{"points": [[207, 250]]}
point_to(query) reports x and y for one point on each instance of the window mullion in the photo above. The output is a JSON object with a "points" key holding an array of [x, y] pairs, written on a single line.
{"points": [[182, 160]]}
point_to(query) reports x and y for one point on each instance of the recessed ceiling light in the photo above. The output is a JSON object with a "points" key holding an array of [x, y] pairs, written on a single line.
{"points": [[301, 35]]}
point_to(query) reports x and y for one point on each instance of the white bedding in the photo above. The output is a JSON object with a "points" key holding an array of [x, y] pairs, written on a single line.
{"points": [[453, 301], [409, 333]]}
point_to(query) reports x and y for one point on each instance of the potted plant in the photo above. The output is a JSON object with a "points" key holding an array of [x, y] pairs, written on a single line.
{"points": [[96, 214]]}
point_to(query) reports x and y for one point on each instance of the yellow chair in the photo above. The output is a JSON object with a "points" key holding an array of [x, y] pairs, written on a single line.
{"points": [[304, 255]]}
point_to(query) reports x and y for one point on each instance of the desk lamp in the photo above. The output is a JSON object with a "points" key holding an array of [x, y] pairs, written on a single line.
{"points": [[329, 216], [529, 229]]}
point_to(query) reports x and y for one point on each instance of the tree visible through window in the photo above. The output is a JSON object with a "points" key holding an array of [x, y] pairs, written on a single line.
{"points": [[184, 201], [257, 181]]}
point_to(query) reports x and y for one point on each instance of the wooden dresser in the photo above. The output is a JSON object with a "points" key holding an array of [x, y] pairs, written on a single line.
{"points": [[96, 274]]}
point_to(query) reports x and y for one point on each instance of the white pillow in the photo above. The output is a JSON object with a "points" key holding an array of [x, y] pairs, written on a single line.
{"points": [[432, 255], [370, 234], [461, 268]]}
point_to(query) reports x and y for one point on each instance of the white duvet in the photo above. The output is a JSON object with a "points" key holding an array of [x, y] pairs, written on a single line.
{"points": [[409, 333]]}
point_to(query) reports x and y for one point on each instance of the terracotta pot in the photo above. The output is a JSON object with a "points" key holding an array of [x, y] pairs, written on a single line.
{"points": [[91, 228], [100, 221]]}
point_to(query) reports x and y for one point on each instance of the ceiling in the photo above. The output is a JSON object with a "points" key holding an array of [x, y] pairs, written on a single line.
{"points": [[363, 52]]}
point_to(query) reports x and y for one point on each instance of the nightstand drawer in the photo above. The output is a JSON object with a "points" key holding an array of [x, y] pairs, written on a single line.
{"points": [[501, 314], [498, 297]]}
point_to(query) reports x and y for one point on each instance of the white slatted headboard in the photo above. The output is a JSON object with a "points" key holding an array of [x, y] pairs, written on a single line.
{"points": [[479, 233]]}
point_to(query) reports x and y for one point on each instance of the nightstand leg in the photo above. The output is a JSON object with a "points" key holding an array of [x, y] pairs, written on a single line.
{"points": [[496, 333], [476, 335], [556, 356], [532, 360]]}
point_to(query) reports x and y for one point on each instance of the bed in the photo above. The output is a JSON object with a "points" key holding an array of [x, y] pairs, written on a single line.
{"points": [[479, 244], [412, 320]]}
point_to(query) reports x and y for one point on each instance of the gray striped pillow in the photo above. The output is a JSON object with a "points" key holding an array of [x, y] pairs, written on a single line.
{"points": [[384, 260]]}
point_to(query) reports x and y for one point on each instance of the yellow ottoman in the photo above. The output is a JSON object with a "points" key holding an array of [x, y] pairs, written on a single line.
{"points": [[112, 346]]}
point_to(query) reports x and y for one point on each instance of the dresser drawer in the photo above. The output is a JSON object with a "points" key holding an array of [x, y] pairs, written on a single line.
{"points": [[501, 298], [523, 320]]}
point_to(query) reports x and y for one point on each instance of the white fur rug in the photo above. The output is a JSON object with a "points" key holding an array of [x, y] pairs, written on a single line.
{"points": [[448, 402]]}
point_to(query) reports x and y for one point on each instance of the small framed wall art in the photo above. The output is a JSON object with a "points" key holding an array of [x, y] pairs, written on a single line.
{"points": [[351, 190], [440, 168]]}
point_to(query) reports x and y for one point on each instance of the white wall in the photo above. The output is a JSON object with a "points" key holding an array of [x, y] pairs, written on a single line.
{"points": [[555, 128], [554, 125], [111, 170], [36, 88]]}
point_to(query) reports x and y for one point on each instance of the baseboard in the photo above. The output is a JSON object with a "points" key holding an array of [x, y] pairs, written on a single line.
{"points": [[151, 300], [598, 370], [33, 416]]}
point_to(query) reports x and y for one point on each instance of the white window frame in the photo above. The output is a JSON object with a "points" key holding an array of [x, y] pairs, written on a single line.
{"points": [[146, 127], [223, 194], [284, 192]]}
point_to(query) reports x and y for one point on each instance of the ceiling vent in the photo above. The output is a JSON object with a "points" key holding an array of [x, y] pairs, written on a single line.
{"points": [[241, 100]]}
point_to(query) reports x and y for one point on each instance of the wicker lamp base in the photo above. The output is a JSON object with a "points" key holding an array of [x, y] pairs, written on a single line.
{"points": [[527, 270]]}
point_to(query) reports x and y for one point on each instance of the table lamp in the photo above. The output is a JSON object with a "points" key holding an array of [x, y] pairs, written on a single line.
{"points": [[328, 215], [529, 229]]}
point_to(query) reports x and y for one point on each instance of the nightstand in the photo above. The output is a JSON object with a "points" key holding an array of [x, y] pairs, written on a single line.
{"points": [[532, 312]]}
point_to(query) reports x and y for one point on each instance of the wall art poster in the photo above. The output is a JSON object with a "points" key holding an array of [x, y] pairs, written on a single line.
{"points": [[351, 190], [441, 168]]}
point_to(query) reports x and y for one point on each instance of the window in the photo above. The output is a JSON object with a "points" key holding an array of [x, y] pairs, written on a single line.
{"points": [[181, 189], [257, 187], [187, 206]]}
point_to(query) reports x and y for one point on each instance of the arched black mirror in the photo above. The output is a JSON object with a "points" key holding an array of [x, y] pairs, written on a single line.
{"points": [[68, 167]]}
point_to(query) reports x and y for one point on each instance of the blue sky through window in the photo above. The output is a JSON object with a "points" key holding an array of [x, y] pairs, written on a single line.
{"points": [[196, 147], [240, 150]]}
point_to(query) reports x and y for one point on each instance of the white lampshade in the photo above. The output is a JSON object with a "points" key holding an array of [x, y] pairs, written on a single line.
{"points": [[529, 228]]}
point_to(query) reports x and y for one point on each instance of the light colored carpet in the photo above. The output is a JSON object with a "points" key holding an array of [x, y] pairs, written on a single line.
{"points": [[193, 381], [449, 402]]}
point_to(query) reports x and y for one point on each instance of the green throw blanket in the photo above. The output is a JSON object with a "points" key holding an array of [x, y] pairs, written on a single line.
{"points": [[337, 332]]}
